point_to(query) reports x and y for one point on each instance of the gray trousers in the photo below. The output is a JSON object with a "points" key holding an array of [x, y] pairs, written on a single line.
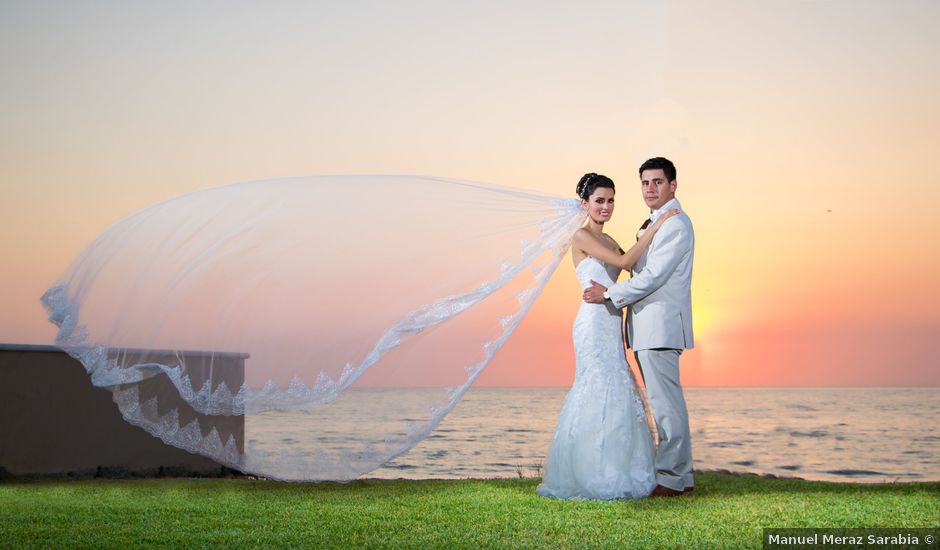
{"points": [[660, 369]]}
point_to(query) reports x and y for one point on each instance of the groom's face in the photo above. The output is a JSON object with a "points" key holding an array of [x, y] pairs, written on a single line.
{"points": [[657, 191]]}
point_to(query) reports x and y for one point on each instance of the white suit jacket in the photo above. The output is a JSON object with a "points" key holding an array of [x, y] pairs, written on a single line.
{"points": [[659, 292]]}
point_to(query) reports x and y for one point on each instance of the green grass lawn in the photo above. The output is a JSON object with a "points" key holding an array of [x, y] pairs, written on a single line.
{"points": [[724, 511]]}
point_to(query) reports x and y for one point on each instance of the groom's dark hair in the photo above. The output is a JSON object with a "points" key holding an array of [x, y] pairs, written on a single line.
{"points": [[660, 163]]}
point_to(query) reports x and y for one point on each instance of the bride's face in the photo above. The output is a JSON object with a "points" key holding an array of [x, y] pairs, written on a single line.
{"points": [[600, 204]]}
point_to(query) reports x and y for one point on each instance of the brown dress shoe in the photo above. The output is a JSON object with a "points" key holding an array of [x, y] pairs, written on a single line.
{"points": [[663, 491]]}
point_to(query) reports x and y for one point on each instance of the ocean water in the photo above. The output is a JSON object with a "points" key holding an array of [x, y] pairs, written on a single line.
{"points": [[833, 434]]}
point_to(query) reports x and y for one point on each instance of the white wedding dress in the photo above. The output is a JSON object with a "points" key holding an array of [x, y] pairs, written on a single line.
{"points": [[602, 448]]}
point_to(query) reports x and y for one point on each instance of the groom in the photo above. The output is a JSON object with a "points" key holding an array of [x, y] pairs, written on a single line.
{"points": [[659, 322]]}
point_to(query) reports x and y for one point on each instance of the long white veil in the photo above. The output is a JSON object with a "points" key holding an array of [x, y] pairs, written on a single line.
{"points": [[307, 328]]}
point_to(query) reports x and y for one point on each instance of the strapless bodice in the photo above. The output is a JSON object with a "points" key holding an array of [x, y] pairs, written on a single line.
{"points": [[591, 268]]}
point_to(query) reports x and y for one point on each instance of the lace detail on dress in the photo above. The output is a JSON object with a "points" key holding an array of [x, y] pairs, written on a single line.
{"points": [[602, 447]]}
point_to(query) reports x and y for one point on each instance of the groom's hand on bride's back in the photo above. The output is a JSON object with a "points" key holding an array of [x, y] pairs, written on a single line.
{"points": [[595, 294]]}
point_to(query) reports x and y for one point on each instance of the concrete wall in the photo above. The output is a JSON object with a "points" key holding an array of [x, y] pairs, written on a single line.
{"points": [[53, 421]]}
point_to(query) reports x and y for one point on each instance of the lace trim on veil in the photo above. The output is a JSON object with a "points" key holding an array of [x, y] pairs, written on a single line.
{"points": [[73, 338]]}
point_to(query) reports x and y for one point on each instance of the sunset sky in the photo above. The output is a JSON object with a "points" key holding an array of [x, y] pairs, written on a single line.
{"points": [[805, 135]]}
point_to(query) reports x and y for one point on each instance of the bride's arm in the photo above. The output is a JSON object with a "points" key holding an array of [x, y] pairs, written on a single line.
{"points": [[592, 246], [630, 257]]}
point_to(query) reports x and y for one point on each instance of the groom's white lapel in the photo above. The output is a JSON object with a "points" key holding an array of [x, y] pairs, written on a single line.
{"points": [[654, 215]]}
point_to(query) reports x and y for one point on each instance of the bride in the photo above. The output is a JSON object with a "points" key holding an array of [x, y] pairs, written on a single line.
{"points": [[602, 448]]}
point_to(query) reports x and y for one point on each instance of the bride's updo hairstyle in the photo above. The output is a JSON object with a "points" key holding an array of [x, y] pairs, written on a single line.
{"points": [[590, 182]]}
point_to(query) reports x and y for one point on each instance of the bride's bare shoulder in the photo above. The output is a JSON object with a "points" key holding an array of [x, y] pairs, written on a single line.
{"points": [[582, 234]]}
